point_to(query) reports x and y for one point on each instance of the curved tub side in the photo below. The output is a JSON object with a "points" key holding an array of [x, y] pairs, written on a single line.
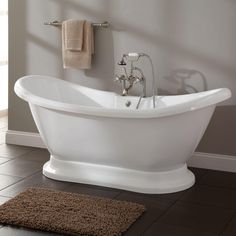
{"points": [[96, 147]]}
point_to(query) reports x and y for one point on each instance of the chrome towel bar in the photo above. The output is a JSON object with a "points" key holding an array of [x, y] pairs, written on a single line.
{"points": [[105, 24]]}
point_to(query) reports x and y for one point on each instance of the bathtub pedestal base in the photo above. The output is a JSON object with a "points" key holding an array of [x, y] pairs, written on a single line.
{"points": [[121, 178]]}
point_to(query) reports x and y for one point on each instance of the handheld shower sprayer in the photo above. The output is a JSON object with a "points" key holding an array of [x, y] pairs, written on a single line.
{"points": [[132, 56]]}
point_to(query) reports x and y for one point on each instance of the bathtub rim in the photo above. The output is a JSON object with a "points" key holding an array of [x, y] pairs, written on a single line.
{"points": [[219, 95]]}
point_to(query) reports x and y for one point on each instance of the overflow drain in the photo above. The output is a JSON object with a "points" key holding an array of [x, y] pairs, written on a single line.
{"points": [[128, 103]]}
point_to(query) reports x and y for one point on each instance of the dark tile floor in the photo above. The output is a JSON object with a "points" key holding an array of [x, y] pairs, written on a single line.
{"points": [[207, 209]]}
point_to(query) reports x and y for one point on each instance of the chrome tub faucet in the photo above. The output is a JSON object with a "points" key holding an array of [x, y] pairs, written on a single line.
{"points": [[129, 79]]}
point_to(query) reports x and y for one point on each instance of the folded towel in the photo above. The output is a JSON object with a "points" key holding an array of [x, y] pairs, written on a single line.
{"points": [[74, 35], [79, 59]]}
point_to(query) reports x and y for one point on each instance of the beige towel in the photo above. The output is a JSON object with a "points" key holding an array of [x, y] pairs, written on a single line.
{"points": [[79, 59], [74, 35]]}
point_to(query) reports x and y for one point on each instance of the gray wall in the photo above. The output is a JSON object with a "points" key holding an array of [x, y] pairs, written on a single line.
{"points": [[192, 44]]}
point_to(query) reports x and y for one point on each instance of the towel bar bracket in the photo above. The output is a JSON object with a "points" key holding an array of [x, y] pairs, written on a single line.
{"points": [[105, 24]]}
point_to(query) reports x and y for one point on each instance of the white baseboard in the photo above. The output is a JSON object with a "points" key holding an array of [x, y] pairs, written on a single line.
{"points": [[199, 159], [213, 161], [24, 139]]}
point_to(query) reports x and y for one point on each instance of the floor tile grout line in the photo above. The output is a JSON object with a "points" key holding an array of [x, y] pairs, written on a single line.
{"points": [[160, 216], [210, 186], [18, 182], [17, 176], [62, 189], [206, 205], [14, 176], [31, 149], [214, 186], [21, 158], [23, 154], [151, 223], [5, 158], [28, 154], [118, 194], [185, 193], [5, 161], [188, 228], [204, 174], [92, 187], [227, 224], [13, 158]]}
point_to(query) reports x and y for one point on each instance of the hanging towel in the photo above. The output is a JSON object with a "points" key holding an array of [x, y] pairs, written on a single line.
{"points": [[74, 35], [76, 59]]}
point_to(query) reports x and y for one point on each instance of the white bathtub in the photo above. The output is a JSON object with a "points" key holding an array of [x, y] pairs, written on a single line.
{"points": [[94, 138]]}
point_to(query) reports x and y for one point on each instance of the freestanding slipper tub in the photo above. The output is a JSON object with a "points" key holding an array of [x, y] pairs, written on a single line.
{"points": [[94, 138]]}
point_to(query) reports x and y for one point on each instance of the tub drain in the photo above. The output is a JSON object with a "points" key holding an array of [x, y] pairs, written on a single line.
{"points": [[128, 103]]}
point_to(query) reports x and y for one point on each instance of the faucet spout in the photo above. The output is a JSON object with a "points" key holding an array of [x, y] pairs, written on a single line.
{"points": [[125, 92]]}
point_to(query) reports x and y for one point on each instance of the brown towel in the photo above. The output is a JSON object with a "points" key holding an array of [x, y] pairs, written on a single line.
{"points": [[74, 35], [79, 59]]}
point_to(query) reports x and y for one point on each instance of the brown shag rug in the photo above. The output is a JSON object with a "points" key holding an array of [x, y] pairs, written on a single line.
{"points": [[69, 213]]}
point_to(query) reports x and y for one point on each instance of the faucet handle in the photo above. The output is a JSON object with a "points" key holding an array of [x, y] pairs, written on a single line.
{"points": [[119, 78], [137, 79]]}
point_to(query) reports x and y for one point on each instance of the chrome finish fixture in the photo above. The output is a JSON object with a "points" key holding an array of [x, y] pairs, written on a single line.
{"points": [[129, 79], [122, 62], [105, 24]]}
